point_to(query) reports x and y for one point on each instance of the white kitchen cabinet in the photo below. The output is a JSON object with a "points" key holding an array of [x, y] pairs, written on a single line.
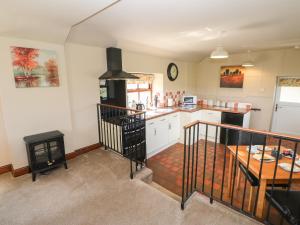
{"points": [[203, 115], [151, 135], [173, 121], [213, 117], [162, 132], [185, 119], [246, 120], [157, 137]]}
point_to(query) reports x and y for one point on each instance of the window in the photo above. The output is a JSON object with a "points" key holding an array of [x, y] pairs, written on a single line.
{"points": [[139, 91], [290, 94], [289, 90]]}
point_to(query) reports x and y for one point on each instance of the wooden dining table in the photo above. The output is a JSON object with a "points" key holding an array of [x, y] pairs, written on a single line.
{"points": [[267, 174]]}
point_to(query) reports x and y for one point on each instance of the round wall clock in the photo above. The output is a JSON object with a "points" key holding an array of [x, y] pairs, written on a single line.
{"points": [[172, 71]]}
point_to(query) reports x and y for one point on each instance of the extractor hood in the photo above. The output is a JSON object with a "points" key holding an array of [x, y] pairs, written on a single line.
{"points": [[114, 66]]}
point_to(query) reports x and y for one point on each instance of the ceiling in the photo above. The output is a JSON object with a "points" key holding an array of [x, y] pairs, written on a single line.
{"points": [[45, 20], [182, 29]]}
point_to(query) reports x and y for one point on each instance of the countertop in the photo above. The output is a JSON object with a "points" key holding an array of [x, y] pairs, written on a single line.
{"points": [[154, 113]]}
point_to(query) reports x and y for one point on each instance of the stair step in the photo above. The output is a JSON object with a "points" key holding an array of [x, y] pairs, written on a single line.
{"points": [[166, 191], [145, 175]]}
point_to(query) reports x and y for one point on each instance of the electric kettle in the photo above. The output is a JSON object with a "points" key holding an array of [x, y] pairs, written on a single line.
{"points": [[140, 106]]}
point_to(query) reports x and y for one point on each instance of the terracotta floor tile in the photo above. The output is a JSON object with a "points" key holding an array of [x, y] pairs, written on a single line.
{"points": [[167, 169]]}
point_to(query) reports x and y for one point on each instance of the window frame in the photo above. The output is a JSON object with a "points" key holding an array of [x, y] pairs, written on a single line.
{"points": [[139, 90]]}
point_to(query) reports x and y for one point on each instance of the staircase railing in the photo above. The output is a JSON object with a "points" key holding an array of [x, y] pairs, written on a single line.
{"points": [[122, 130], [215, 169]]}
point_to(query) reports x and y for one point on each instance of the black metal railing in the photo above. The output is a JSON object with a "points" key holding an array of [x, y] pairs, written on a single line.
{"points": [[216, 170], [123, 131]]}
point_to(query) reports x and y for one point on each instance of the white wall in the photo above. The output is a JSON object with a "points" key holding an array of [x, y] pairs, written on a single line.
{"points": [[32, 110], [259, 83], [4, 148], [71, 107], [151, 64], [85, 64]]}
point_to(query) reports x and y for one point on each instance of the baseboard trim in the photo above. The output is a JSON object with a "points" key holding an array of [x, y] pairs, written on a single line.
{"points": [[71, 155], [24, 170], [87, 149], [20, 171], [81, 151], [5, 168]]}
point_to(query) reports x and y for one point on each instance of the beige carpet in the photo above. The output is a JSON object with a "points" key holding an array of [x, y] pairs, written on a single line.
{"points": [[96, 189]]}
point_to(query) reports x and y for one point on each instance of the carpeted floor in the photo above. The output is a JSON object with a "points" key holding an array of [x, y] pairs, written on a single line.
{"points": [[96, 189]]}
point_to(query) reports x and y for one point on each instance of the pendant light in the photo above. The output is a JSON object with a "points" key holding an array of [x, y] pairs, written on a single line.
{"points": [[219, 52], [249, 62]]}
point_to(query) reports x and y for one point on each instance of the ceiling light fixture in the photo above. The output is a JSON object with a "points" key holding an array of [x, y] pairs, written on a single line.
{"points": [[249, 62], [219, 52]]}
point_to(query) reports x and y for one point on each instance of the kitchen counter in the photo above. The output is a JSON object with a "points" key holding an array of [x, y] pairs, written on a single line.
{"points": [[154, 113]]}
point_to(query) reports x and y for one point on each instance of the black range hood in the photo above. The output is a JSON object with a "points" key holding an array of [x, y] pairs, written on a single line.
{"points": [[114, 66]]}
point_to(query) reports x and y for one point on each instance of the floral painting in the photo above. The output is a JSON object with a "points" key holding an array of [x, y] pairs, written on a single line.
{"points": [[34, 67], [232, 76]]}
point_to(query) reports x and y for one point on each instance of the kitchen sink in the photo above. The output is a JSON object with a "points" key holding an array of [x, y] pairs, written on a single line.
{"points": [[154, 112], [151, 113], [163, 110]]}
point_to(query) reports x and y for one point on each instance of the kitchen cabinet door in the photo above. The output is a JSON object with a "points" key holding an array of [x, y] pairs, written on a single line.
{"points": [[151, 136], [162, 132], [174, 127], [196, 115], [185, 118], [214, 117]]}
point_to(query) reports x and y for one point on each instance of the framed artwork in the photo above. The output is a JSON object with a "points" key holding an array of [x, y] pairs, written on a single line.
{"points": [[34, 67], [232, 76]]}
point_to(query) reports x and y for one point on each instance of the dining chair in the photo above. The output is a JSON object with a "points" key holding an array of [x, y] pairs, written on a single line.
{"points": [[257, 139], [253, 181], [287, 203]]}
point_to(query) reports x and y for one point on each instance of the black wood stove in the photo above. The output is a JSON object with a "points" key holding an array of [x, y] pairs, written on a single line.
{"points": [[45, 151]]}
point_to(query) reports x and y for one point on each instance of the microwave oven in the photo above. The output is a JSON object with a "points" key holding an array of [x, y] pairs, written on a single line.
{"points": [[189, 100]]}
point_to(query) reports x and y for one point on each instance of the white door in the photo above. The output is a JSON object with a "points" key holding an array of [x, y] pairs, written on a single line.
{"points": [[287, 106]]}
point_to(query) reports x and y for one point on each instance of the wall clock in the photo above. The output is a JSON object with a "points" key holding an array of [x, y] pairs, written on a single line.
{"points": [[172, 71]]}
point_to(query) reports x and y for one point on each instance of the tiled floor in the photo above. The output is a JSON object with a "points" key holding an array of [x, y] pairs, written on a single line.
{"points": [[167, 171]]}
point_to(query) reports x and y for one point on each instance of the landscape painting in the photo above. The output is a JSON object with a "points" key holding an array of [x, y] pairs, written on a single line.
{"points": [[232, 77], [34, 67]]}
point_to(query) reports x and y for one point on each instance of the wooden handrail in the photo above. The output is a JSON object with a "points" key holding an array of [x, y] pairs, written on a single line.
{"points": [[233, 127], [118, 107], [137, 112]]}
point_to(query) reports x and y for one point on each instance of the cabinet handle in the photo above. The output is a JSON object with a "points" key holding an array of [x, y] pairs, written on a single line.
{"points": [[151, 123], [163, 120], [154, 131], [170, 126], [175, 116]]}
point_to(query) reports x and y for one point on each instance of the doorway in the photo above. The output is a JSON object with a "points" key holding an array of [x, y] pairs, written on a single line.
{"points": [[287, 106]]}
